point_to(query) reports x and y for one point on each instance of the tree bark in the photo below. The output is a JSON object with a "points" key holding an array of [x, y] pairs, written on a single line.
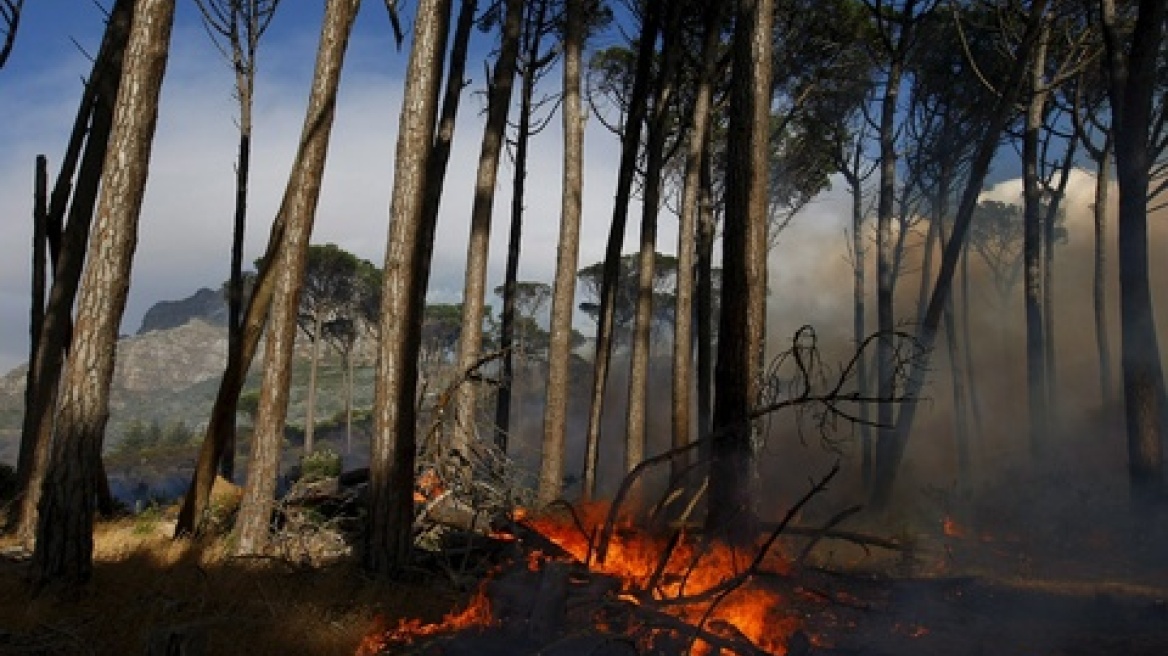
{"points": [[64, 544], [1036, 383], [636, 417], [470, 341], [731, 509], [683, 330], [1099, 277], [555, 418], [1133, 71], [389, 523], [254, 521]]}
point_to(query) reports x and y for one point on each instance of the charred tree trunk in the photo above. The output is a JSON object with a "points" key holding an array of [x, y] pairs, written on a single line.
{"points": [[704, 296], [1036, 383], [529, 72], [64, 542], [1133, 69], [1099, 277], [731, 502]]}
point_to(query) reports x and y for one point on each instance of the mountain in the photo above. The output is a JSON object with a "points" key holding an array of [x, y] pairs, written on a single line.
{"points": [[205, 304]]}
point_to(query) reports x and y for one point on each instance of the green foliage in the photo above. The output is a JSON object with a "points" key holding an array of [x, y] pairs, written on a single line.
{"points": [[319, 465], [139, 436], [146, 522]]}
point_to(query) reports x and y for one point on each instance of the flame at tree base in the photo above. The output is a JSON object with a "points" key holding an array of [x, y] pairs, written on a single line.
{"points": [[685, 594]]}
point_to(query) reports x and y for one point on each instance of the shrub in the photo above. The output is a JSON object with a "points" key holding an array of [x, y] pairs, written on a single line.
{"points": [[318, 465]]}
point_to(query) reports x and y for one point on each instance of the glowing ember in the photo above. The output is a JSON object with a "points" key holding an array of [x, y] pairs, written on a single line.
{"points": [[952, 529]]}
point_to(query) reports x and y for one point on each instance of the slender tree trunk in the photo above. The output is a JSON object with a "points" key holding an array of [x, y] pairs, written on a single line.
{"points": [[389, 523], [1099, 279], [967, 339], [64, 542], [731, 509], [470, 340], [637, 417], [630, 146], [235, 290], [555, 418], [885, 269], [528, 73], [255, 508], [68, 251], [860, 313], [36, 324], [704, 297], [1036, 383], [1049, 222], [683, 333]]}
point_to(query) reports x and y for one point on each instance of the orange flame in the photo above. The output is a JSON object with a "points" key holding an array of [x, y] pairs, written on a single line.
{"points": [[692, 568], [477, 614]]}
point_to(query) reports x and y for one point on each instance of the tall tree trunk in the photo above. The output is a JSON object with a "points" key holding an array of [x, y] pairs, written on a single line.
{"points": [[704, 297], [470, 339], [885, 268], [636, 416], [630, 146], [555, 418], [731, 502], [36, 324], [410, 243], [528, 72], [1036, 383], [255, 508], [68, 256], [683, 331], [64, 542], [860, 309], [890, 450], [1049, 234], [1099, 278], [1132, 80]]}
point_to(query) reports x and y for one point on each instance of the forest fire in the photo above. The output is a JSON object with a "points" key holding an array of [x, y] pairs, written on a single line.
{"points": [[665, 595]]}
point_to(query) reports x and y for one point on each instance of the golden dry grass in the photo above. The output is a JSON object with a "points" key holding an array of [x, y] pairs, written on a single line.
{"points": [[143, 581]]}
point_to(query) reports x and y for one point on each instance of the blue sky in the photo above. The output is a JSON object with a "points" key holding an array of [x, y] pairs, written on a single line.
{"points": [[185, 224]]}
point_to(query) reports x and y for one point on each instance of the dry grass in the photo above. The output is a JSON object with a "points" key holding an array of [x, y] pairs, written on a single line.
{"points": [[143, 582]]}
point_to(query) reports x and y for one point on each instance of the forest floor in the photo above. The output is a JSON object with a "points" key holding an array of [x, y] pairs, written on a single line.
{"points": [[144, 582], [961, 595]]}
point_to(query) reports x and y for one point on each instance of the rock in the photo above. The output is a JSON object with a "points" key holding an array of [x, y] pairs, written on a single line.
{"points": [[205, 304]]}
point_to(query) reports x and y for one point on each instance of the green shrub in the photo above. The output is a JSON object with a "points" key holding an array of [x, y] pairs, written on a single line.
{"points": [[318, 465]]}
